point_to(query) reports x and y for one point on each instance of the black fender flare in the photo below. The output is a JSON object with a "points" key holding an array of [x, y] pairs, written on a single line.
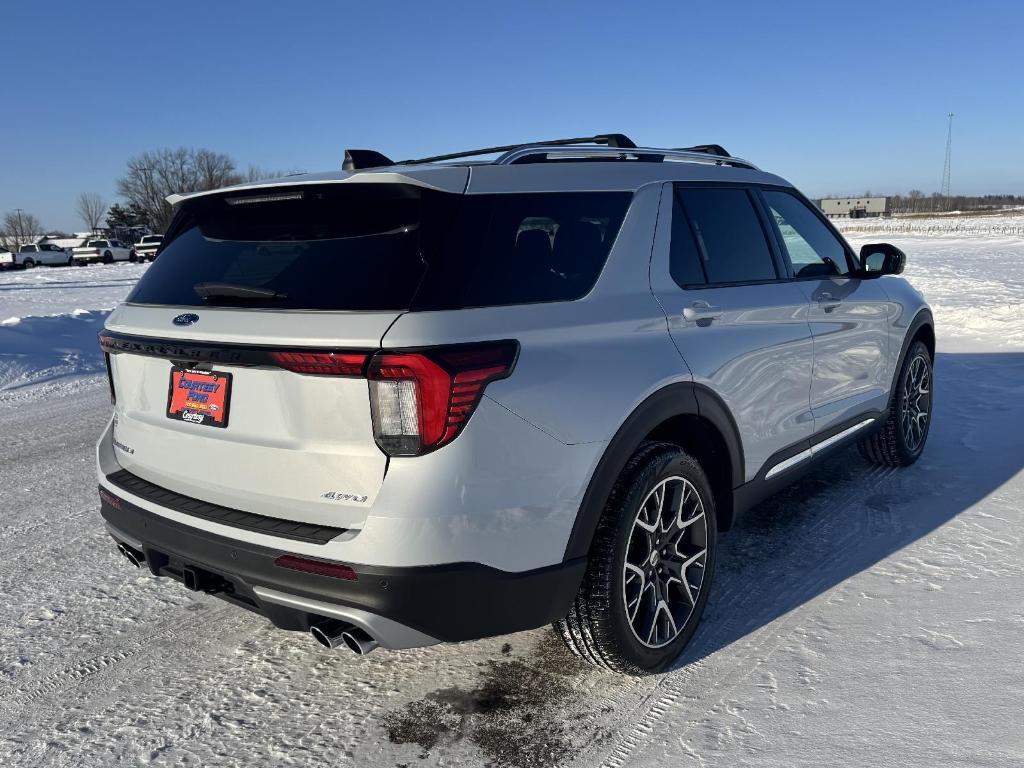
{"points": [[682, 399], [922, 318]]}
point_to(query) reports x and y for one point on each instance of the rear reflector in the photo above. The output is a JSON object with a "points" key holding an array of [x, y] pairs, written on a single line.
{"points": [[420, 401], [319, 567]]}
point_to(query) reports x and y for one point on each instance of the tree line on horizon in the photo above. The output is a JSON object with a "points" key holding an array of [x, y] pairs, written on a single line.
{"points": [[916, 201], [150, 177]]}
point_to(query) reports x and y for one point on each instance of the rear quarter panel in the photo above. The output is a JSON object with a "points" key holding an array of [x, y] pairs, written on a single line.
{"points": [[583, 365]]}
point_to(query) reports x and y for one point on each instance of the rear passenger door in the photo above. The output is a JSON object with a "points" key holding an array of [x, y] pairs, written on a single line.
{"points": [[849, 317], [738, 321]]}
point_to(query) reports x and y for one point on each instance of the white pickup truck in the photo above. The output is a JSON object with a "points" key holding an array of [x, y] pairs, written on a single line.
{"points": [[103, 250], [39, 254], [6, 259], [147, 247]]}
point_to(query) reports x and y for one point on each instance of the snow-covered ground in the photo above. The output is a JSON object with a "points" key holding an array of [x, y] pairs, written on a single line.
{"points": [[49, 318], [865, 617]]}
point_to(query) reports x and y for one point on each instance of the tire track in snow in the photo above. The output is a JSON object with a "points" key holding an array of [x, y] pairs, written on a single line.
{"points": [[761, 644], [92, 670], [10, 533]]}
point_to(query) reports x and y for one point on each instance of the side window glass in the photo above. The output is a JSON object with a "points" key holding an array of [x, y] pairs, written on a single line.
{"points": [[813, 250], [684, 259], [728, 234]]}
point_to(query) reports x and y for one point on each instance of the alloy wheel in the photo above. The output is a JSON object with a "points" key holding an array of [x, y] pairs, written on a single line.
{"points": [[917, 403], [665, 562]]}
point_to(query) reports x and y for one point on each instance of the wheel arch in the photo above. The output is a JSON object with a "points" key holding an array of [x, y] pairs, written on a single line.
{"points": [[686, 414], [921, 328]]}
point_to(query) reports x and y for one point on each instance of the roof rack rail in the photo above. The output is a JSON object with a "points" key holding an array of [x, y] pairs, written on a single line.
{"points": [[603, 139], [539, 153], [605, 145], [357, 159], [711, 149]]}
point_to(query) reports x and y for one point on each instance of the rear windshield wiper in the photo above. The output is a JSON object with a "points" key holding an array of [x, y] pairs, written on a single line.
{"points": [[237, 291]]}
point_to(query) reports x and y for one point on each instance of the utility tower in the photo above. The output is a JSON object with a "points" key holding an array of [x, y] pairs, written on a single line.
{"points": [[945, 170]]}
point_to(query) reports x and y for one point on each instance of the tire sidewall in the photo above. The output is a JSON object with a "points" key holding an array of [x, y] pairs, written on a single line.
{"points": [[667, 464], [917, 349]]}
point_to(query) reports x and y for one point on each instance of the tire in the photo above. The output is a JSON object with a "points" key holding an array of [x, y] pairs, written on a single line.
{"points": [[108, 258], [71, 261], [29, 264], [902, 438], [602, 627]]}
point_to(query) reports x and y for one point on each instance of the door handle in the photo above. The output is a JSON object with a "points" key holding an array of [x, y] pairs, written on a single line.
{"points": [[701, 311], [827, 301]]}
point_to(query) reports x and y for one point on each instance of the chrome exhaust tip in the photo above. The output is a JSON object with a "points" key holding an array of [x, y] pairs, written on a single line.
{"points": [[133, 556], [329, 633], [358, 641], [335, 634]]}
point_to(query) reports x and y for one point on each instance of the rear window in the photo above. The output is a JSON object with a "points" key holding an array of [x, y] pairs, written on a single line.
{"points": [[727, 235], [98, 244], [382, 247]]}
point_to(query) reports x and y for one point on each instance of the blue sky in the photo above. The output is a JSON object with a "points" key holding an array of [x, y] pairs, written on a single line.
{"points": [[839, 97]]}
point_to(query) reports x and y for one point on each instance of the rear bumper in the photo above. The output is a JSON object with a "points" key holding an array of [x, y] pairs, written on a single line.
{"points": [[400, 607]]}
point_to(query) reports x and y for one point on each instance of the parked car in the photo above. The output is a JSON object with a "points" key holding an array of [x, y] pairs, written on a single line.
{"points": [[6, 259], [426, 405], [147, 247], [40, 254], [103, 250]]}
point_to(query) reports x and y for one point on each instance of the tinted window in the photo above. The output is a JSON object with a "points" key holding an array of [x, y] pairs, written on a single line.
{"points": [[98, 244], [685, 260], [523, 248], [812, 248], [728, 235], [384, 247], [28, 249]]}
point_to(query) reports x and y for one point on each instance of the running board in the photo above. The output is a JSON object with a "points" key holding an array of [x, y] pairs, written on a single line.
{"points": [[792, 461]]}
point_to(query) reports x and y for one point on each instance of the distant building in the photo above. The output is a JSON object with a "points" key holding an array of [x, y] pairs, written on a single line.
{"points": [[74, 241], [853, 207]]}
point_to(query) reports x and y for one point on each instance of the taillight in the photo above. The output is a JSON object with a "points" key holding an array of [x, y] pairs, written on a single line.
{"points": [[322, 363], [421, 400]]}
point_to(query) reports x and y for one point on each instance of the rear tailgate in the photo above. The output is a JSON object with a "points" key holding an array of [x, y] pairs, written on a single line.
{"points": [[251, 283], [296, 446]]}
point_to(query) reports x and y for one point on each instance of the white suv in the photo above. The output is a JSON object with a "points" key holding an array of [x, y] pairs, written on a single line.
{"points": [[445, 399]]}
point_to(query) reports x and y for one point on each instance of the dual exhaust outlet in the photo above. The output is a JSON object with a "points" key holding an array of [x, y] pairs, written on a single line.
{"points": [[334, 634], [330, 633]]}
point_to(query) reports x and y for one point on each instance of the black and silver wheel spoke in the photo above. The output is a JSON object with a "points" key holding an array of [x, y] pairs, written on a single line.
{"points": [[665, 560], [916, 403]]}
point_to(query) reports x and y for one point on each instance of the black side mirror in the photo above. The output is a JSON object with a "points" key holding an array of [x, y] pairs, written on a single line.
{"points": [[878, 259]]}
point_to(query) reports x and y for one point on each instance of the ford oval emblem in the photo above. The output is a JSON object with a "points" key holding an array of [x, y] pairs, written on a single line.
{"points": [[189, 318]]}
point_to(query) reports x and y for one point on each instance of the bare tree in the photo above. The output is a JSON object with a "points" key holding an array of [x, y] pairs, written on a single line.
{"points": [[255, 173], [152, 176], [91, 208], [19, 228]]}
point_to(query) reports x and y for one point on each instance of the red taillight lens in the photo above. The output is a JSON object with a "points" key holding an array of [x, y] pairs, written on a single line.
{"points": [[323, 363], [319, 567], [421, 400]]}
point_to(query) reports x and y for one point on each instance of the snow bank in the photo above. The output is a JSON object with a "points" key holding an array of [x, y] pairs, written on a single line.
{"points": [[39, 349], [49, 318]]}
